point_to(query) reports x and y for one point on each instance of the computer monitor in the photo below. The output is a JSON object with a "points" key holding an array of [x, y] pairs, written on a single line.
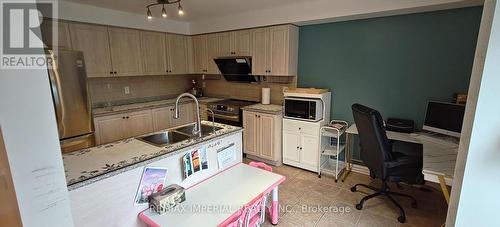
{"points": [[444, 118]]}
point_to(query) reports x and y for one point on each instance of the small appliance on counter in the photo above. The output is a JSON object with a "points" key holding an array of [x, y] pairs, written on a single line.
{"points": [[195, 90], [167, 198]]}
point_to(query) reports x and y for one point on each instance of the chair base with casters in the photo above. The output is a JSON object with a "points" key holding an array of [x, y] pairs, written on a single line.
{"points": [[384, 191]]}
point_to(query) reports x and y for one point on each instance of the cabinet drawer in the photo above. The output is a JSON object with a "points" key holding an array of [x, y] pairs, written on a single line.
{"points": [[303, 127]]}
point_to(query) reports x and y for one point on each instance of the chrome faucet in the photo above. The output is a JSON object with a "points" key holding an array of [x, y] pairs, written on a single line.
{"points": [[197, 127]]}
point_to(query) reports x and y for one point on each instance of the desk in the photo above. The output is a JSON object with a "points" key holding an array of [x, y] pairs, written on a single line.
{"points": [[226, 191], [438, 158]]}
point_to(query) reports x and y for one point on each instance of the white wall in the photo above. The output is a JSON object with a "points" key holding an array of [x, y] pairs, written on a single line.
{"points": [[322, 11], [29, 128], [475, 189], [97, 15]]}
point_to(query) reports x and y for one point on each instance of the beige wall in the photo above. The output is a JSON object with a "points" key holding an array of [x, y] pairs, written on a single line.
{"points": [[112, 89], [246, 91]]}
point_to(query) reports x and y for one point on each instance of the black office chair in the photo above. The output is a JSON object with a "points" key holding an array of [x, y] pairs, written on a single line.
{"points": [[390, 161]]}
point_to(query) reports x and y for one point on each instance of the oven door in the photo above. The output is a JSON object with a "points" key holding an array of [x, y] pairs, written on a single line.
{"points": [[303, 109], [225, 119]]}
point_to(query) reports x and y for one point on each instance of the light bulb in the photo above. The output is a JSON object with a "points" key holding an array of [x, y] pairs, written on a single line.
{"points": [[163, 12], [150, 16], [181, 11]]}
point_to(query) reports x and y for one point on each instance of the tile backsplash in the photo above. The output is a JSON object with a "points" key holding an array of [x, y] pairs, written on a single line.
{"points": [[246, 91], [112, 89]]}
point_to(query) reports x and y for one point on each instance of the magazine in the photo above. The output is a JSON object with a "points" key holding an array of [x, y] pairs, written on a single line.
{"points": [[152, 180]]}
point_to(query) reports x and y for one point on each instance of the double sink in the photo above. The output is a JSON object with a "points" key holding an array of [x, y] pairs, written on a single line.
{"points": [[176, 135]]}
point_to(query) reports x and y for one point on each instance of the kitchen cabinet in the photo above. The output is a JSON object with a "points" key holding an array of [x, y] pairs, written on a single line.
{"points": [[125, 51], [61, 40], [121, 126], [93, 41], [177, 54], [163, 117], [301, 145], [235, 43], [200, 54], [206, 48], [153, 53], [262, 136], [275, 51]]}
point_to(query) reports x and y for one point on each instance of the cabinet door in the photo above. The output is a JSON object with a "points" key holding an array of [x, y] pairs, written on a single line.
{"points": [[138, 123], [243, 43], [125, 51], [267, 136], [185, 114], [177, 54], [251, 133], [226, 43], [162, 118], [200, 54], [291, 146], [93, 41], [61, 40], [109, 128], [259, 45], [278, 50], [213, 52], [153, 53], [309, 150]]}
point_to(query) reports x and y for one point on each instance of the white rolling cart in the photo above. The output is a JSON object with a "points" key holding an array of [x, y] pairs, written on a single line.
{"points": [[332, 145]]}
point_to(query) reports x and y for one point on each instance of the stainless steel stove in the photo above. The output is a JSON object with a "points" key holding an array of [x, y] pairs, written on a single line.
{"points": [[228, 111]]}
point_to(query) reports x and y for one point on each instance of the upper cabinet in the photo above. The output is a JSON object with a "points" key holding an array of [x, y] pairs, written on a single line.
{"points": [[200, 54], [153, 53], [55, 39], [275, 51], [205, 49], [236, 43], [177, 54], [125, 51], [93, 41]]}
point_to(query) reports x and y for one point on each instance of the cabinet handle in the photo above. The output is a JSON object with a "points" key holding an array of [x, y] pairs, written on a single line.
{"points": [[300, 128], [123, 117], [128, 118], [111, 72], [300, 148]]}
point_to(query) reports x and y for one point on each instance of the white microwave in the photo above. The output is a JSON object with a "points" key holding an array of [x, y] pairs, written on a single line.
{"points": [[305, 109]]}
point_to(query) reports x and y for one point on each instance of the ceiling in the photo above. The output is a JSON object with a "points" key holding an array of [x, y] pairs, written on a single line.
{"points": [[196, 10]]}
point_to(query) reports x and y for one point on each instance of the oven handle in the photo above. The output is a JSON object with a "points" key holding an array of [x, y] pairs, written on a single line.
{"points": [[232, 118]]}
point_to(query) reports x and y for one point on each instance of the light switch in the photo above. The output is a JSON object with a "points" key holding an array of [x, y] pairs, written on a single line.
{"points": [[126, 90]]}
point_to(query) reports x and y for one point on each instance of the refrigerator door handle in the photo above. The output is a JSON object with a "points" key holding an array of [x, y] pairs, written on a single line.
{"points": [[55, 84]]}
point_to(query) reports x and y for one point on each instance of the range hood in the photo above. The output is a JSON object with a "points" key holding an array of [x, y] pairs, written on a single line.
{"points": [[236, 69]]}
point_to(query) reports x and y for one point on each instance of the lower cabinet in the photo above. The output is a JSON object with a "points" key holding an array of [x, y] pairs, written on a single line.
{"points": [[163, 118], [301, 145], [262, 136], [120, 126]]}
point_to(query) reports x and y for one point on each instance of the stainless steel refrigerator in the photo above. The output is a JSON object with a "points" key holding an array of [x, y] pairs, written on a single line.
{"points": [[68, 81]]}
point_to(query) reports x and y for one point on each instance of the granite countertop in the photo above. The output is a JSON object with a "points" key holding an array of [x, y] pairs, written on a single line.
{"points": [[270, 108], [93, 164], [102, 111]]}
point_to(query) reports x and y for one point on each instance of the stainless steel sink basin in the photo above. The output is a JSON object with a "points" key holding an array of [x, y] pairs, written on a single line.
{"points": [[205, 129], [164, 138]]}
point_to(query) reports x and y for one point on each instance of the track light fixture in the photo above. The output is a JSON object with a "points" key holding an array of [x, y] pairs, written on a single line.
{"points": [[163, 9]]}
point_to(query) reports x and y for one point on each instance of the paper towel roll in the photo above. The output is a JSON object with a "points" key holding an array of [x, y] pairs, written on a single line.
{"points": [[266, 95]]}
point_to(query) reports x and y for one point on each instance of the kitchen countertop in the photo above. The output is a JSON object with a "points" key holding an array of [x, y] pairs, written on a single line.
{"points": [[270, 108], [93, 164], [103, 111]]}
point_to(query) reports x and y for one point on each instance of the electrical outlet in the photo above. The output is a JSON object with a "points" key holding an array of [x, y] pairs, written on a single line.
{"points": [[126, 90]]}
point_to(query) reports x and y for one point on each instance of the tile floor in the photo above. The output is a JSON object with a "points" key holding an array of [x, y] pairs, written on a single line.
{"points": [[303, 190]]}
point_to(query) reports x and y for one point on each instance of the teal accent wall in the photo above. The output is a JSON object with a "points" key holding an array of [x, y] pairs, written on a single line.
{"points": [[393, 64]]}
